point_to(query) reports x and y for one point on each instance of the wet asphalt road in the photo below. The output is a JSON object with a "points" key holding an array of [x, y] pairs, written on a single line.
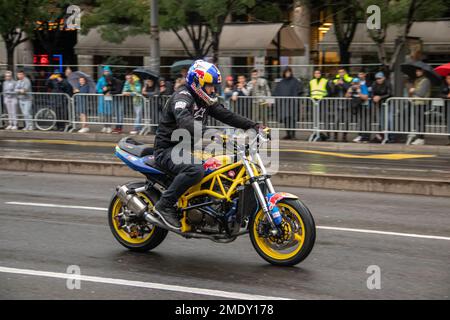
{"points": [[437, 166], [51, 239]]}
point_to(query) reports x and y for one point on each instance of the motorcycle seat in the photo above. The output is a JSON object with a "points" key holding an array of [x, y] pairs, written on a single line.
{"points": [[150, 161], [135, 148]]}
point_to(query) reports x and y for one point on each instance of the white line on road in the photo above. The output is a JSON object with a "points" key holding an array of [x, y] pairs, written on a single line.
{"points": [[51, 205], [389, 233], [411, 235], [141, 284]]}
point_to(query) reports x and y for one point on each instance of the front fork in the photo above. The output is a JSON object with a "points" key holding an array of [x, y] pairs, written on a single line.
{"points": [[259, 194]]}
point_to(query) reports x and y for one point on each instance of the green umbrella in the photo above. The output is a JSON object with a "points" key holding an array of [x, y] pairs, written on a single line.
{"points": [[176, 67]]}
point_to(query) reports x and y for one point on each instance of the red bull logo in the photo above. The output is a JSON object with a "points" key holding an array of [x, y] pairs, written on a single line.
{"points": [[272, 199], [211, 165], [200, 73]]}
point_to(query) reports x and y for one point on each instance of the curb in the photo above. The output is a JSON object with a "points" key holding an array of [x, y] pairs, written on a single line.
{"points": [[426, 187], [323, 146]]}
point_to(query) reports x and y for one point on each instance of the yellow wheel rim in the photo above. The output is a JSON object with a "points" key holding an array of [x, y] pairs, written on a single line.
{"points": [[117, 208], [297, 239]]}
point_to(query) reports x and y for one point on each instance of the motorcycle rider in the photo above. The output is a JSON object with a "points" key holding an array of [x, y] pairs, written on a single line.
{"points": [[189, 106]]}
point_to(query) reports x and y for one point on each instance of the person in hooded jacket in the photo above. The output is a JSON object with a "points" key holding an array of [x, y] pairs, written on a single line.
{"points": [[108, 86], [289, 86]]}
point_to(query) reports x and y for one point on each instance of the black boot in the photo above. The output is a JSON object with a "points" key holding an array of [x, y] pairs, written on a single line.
{"points": [[168, 212]]}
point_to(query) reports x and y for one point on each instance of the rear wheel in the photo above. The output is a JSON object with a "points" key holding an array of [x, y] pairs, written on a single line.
{"points": [[297, 238], [133, 233]]}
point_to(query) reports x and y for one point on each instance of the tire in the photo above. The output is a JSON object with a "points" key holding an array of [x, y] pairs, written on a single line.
{"points": [[150, 241], [45, 119], [305, 240]]}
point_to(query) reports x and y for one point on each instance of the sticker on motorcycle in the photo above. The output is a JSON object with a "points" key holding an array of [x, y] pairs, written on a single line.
{"points": [[211, 164], [272, 199]]}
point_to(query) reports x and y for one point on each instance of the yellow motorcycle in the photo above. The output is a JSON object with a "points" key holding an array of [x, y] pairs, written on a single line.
{"points": [[235, 197]]}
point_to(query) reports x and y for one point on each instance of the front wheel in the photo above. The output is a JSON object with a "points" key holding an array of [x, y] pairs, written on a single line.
{"points": [[134, 234], [297, 238]]}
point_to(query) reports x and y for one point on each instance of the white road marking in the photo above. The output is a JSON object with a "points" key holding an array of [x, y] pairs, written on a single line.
{"points": [[51, 205], [411, 235], [141, 284]]}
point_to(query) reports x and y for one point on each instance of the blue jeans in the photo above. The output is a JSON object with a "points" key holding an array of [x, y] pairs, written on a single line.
{"points": [[104, 110], [25, 108], [138, 119], [118, 112], [390, 119]]}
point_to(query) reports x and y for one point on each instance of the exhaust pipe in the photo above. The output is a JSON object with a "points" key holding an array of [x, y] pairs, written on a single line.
{"points": [[131, 200], [154, 220], [135, 204], [160, 221]]}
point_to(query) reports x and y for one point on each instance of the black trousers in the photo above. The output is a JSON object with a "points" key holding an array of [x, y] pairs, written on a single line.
{"points": [[187, 174]]}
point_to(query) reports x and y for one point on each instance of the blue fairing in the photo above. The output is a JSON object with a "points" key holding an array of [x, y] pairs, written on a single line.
{"points": [[136, 163]]}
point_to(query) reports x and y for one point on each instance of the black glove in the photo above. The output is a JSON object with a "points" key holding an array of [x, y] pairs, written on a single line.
{"points": [[262, 129], [259, 127]]}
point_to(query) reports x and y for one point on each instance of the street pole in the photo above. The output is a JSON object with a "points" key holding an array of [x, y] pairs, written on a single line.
{"points": [[154, 36]]}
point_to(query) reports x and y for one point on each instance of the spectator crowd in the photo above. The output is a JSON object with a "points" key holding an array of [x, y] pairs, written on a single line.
{"points": [[360, 91]]}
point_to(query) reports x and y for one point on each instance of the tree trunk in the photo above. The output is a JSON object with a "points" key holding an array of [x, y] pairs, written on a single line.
{"points": [[344, 54], [345, 24], [215, 46], [10, 57]]}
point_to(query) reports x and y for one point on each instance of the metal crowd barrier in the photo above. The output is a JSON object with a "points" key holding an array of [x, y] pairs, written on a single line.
{"points": [[42, 111], [418, 116], [343, 115], [409, 116]]}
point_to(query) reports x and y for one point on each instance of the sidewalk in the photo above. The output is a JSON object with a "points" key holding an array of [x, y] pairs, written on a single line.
{"points": [[299, 143], [393, 168]]}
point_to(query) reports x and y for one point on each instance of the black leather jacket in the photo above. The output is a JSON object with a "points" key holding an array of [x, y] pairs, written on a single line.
{"points": [[183, 110]]}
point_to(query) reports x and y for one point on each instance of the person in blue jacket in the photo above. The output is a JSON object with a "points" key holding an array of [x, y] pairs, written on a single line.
{"points": [[108, 86]]}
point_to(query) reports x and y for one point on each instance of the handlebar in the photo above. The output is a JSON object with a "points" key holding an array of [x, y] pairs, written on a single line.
{"points": [[262, 136]]}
